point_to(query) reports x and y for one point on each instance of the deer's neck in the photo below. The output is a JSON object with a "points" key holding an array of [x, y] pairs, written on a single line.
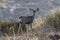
{"points": [[33, 15]]}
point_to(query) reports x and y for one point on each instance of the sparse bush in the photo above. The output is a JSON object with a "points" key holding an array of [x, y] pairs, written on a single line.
{"points": [[8, 26], [54, 20]]}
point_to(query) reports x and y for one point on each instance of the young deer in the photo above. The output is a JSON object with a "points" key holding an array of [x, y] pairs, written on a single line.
{"points": [[28, 19]]}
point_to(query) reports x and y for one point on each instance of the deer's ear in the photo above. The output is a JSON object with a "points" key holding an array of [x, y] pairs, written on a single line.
{"points": [[37, 9]]}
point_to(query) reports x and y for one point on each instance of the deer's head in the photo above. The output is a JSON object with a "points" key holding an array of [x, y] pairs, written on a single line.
{"points": [[34, 10]]}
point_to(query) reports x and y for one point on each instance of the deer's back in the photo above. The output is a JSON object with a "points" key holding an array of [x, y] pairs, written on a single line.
{"points": [[28, 19]]}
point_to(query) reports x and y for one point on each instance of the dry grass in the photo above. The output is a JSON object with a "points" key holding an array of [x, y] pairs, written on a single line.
{"points": [[39, 24], [35, 35]]}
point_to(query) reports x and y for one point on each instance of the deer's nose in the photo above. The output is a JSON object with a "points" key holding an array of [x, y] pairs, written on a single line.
{"points": [[34, 11]]}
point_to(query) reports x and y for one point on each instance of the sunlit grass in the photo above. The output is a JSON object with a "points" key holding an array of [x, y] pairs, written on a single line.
{"points": [[39, 23]]}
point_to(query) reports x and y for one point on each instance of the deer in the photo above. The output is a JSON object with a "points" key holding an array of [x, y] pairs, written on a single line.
{"points": [[28, 19]]}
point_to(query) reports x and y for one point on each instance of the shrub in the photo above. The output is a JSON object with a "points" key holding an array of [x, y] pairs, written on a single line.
{"points": [[8, 26], [54, 20]]}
